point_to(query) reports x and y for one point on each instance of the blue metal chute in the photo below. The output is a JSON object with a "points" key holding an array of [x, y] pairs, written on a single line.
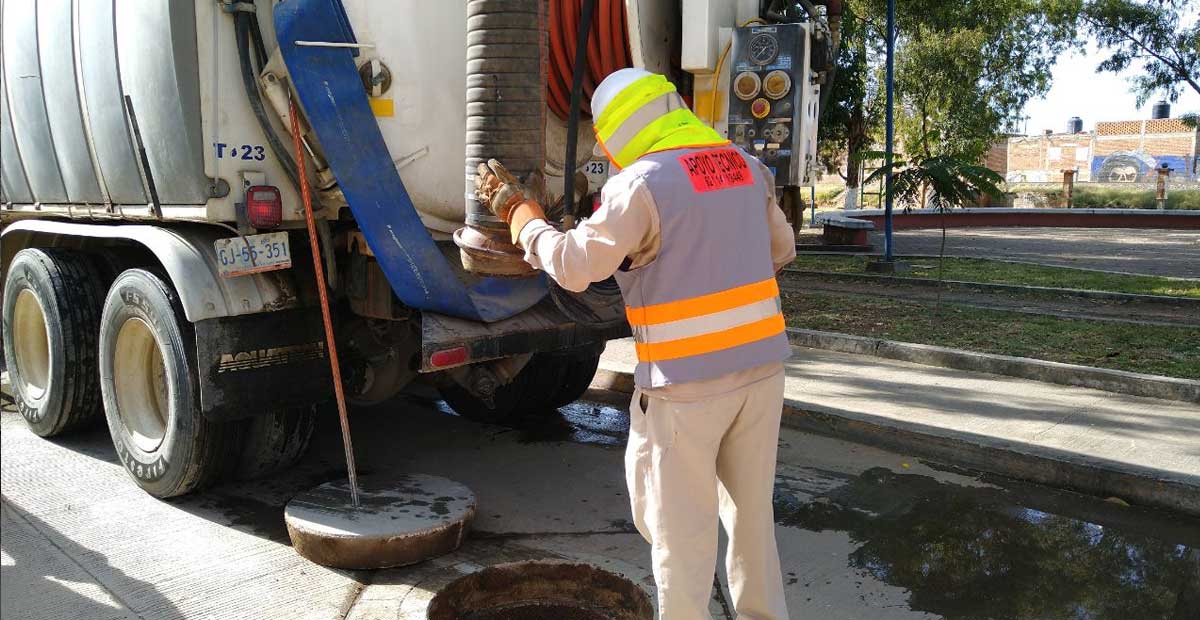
{"points": [[332, 95]]}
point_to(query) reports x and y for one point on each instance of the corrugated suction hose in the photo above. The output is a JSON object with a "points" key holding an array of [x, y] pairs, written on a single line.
{"points": [[506, 109]]}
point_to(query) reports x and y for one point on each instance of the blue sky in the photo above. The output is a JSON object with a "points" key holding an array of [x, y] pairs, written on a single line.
{"points": [[1079, 91]]}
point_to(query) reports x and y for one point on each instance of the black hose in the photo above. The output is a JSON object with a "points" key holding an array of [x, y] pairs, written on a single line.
{"points": [[260, 50], [250, 85], [593, 307], [577, 71]]}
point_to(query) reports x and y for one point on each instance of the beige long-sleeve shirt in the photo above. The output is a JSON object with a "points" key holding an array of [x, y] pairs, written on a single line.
{"points": [[627, 225]]}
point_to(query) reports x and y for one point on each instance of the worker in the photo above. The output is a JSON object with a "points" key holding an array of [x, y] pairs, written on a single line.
{"points": [[692, 232]]}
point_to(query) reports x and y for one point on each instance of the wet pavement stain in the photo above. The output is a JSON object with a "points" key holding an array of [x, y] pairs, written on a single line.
{"points": [[579, 422], [257, 517], [973, 553]]}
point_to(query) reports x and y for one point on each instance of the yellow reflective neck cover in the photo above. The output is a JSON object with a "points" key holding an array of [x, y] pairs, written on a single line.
{"points": [[673, 130]]}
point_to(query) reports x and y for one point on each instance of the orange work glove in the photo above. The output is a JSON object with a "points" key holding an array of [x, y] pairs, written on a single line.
{"points": [[506, 197]]}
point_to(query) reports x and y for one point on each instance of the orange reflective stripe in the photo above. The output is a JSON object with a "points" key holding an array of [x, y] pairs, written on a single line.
{"points": [[612, 160], [705, 304], [699, 345]]}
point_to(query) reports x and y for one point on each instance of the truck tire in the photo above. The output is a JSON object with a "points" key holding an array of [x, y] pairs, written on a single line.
{"points": [[530, 393], [51, 311], [274, 441], [579, 368], [149, 381]]}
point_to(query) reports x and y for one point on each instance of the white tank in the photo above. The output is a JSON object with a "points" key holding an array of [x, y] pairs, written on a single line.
{"points": [[67, 144]]}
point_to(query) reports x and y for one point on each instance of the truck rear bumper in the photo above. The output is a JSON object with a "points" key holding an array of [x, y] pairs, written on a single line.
{"points": [[542, 328]]}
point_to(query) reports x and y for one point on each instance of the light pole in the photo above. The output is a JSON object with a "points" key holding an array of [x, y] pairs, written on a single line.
{"points": [[887, 190], [888, 263]]}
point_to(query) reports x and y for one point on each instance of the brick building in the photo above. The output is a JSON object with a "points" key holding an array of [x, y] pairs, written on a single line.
{"points": [[1041, 159], [1116, 152]]}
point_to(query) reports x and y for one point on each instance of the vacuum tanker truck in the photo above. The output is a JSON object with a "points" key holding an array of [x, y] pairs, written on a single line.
{"points": [[155, 157]]}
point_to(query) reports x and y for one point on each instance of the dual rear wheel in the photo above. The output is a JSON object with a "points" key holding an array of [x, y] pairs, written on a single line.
{"points": [[73, 351], [547, 382]]}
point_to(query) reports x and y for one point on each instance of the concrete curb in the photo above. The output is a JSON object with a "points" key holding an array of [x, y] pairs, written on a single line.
{"points": [[1019, 460], [1166, 300], [1056, 468], [986, 217], [1135, 384], [812, 249]]}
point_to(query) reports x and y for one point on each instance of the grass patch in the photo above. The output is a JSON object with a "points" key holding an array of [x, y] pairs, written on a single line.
{"points": [[1000, 272], [1088, 197], [1168, 351]]}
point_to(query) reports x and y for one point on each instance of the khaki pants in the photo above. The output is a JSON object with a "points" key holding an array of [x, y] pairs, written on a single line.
{"points": [[687, 464]]}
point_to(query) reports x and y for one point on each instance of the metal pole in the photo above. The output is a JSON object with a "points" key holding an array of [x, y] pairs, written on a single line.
{"points": [[330, 344], [887, 209], [1160, 194], [1068, 187], [812, 192]]}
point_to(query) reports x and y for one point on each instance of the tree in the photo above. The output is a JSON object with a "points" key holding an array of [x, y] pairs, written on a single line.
{"points": [[967, 69], [964, 68], [1149, 32], [946, 181], [854, 111]]}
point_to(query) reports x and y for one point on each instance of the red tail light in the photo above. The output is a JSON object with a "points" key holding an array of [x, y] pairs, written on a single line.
{"points": [[448, 357], [264, 207]]}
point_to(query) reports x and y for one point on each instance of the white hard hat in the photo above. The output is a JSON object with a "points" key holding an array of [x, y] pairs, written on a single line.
{"points": [[608, 89], [612, 85]]}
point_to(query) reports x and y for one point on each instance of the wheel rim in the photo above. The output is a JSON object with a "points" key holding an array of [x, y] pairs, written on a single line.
{"points": [[140, 384], [31, 345]]}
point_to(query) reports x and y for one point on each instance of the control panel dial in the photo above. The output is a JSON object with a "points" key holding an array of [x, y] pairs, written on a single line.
{"points": [[763, 49], [777, 84], [747, 85]]}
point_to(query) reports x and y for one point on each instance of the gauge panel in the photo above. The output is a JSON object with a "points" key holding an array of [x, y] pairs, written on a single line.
{"points": [[768, 67]]}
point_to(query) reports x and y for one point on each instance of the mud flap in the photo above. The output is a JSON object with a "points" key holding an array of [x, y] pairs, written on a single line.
{"points": [[257, 364]]}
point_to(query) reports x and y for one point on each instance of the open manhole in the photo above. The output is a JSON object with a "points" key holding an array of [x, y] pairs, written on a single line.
{"points": [[541, 590]]}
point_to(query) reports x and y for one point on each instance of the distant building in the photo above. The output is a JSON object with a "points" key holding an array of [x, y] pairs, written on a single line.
{"points": [[1116, 152]]}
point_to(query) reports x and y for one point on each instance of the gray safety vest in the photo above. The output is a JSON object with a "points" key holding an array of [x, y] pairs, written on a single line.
{"points": [[708, 304]]}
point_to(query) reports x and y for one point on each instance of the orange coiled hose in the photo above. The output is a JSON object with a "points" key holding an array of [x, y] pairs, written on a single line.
{"points": [[607, 50]]}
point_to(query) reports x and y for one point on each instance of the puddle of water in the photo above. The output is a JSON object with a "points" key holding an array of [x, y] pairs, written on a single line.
{"points": [[971, 553], [579, 422]]}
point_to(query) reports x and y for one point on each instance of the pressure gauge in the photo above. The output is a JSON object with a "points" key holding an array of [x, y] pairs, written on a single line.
{"points": [[746, 85], [777, 84], [763, 49]]}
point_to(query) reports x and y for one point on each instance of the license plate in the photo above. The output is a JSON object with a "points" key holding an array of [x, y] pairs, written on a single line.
{"points": [[239, 256]]}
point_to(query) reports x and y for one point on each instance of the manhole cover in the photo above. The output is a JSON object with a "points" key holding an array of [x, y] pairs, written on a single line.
{"points": [[541, 590], [400, 520]]}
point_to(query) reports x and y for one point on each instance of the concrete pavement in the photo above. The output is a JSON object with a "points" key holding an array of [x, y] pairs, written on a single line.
{"points": [[1142, 450], [81, 541], [864, 533]]}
